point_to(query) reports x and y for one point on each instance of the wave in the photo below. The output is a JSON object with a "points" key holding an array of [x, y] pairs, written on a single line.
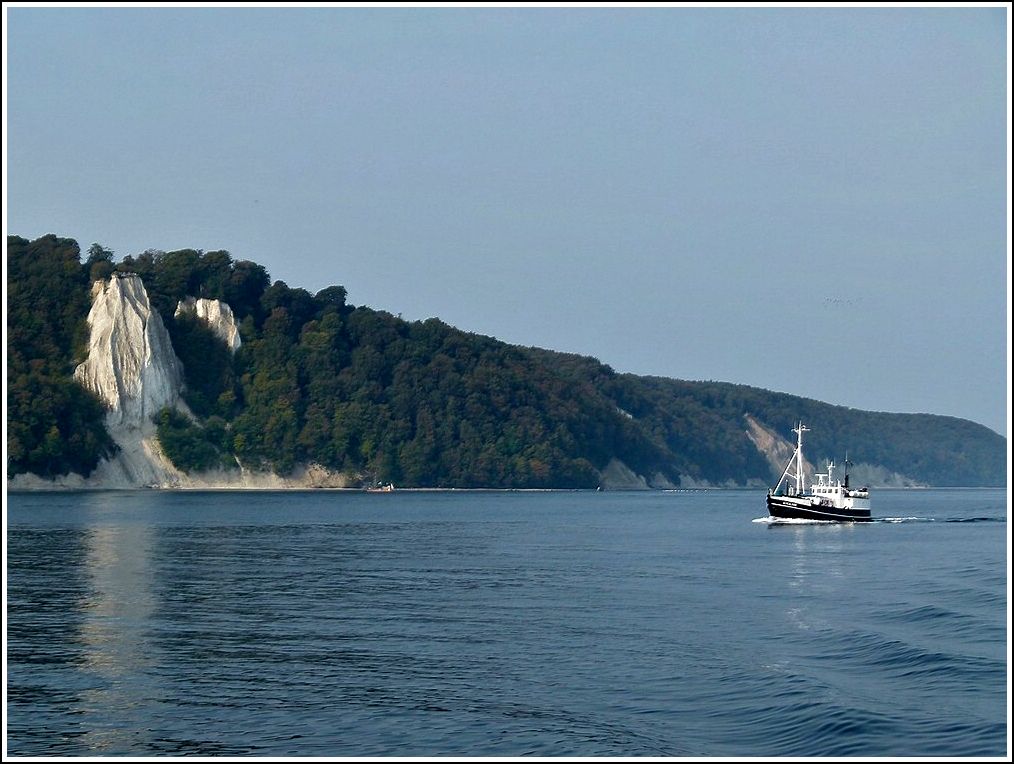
{"points": [[775, 521], [940, 519], [977, 520], [793, 711]]}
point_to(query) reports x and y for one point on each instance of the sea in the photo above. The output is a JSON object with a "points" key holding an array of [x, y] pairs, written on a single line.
{"points": [[504, 624]]}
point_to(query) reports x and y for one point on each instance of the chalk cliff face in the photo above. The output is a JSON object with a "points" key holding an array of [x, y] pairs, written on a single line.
{"points": [[131, 364], [132, 367], [218, 316]]}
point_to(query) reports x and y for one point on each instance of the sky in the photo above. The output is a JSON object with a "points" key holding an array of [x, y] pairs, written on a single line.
{"points": [[809, 200]]}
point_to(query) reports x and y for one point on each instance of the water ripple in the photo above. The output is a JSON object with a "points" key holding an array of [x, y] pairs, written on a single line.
{"points": [[505, 625]]}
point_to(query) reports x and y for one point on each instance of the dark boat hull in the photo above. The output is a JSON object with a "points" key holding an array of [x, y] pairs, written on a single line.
{"points": [[789, 508]]}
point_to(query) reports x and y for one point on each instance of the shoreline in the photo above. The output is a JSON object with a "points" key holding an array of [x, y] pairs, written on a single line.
{"points": [[331, 489]]}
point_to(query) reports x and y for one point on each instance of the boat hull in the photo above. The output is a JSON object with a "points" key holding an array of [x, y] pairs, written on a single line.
{"points": [[792, 508]]}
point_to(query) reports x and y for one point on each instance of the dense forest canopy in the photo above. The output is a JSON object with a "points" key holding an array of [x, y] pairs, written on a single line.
{"points": [[415, 403], [54, 426]]}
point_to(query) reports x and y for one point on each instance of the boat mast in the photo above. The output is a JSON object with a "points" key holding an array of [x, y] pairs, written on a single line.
{"points": [[797, 459], [799, 455]]}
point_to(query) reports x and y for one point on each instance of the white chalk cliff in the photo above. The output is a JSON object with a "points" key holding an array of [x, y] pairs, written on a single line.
{"points": [[218, 316], [132, 367]]}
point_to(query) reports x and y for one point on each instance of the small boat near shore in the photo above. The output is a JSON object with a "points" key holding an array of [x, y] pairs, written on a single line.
{"points": [[383, 488], [827, 499]]}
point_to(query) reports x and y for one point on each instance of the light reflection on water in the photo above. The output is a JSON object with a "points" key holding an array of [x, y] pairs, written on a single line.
{"points": [[113, 630]]}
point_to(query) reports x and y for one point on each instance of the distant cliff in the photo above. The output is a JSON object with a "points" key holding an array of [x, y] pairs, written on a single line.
{"points": [[261, 385]]}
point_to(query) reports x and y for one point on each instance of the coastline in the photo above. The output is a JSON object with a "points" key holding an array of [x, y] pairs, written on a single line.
{"points": [[141, 465]]}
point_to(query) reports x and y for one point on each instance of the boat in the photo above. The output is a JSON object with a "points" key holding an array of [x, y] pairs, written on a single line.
{"points": [[826, 499], [383, 488]]}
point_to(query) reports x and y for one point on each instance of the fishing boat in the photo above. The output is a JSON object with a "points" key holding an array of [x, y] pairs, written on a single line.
{"points": [[826, 499]]}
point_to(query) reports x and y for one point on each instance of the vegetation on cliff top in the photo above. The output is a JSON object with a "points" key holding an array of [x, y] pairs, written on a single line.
{"points": [[415, 403]]}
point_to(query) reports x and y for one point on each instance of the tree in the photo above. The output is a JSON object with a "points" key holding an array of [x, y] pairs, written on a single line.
{"points": [[99, 264], [246, 286], [331, 298], [214, 272], [176, 277], [54, 425]]}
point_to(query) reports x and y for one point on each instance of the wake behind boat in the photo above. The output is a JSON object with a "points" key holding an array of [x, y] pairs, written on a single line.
{"points": [[825, 500]]}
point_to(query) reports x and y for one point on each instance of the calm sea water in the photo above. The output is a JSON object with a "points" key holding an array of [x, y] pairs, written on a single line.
{"points": [[504, 624]]}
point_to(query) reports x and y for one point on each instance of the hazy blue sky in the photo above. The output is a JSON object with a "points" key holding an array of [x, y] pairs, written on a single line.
{"points": [[808, 200]]}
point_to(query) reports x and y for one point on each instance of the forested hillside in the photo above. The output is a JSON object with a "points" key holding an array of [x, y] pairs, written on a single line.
{"points": [[416, 403], [54, 425]]}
